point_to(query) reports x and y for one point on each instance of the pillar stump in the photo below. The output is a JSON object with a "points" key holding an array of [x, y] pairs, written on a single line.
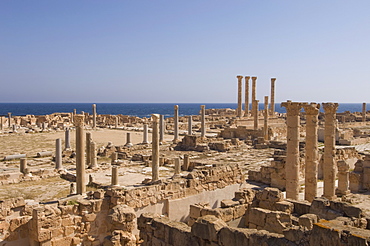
{"points": [[343, 178], [93, 158], [145, 134], [23, 165], [177, 166], [128, 140], [114, 176], [67, 139]]}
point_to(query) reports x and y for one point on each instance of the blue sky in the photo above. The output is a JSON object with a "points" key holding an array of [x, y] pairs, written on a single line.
{"points": [[183, 51]]}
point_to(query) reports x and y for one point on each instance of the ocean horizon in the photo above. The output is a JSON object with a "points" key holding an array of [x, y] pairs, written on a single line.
{"points": [[134, 109]]}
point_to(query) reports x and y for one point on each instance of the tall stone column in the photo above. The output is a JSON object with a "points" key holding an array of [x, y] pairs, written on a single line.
{"points": [[363, 112], [80, 154], [94, 161], [155, 148], [67, 139], [246, 103], [58, 154], [177, 166], [23, 165], [203, 121], [255, 114], [254, 81], [240, 86], [88, 143], [176, 124], [272, 97], [292, 158], [312, 154], [9, 120], [162, 128], [114, 176], [94, 116], [145, 134], [343, 178], [329, 150], [265, 119], [190, 125]]}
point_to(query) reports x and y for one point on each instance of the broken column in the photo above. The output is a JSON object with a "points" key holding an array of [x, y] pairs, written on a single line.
{"points": [[272, 97], [177, 166], [203, 121], [94, 116], [145, 134], [58, 154], [114, 158], [161, 128], [255, 114], [155, 148], [128, 140], [114, 176], [176, 124], [240, 85], [1, 123], [9, 119], [292, 158], [88, 143], [265, 119], [312, 154], [116, 125], [80, 154], [343, 178], [93, 158], [186, 164], [363, 112], [23, 165], [329, 150], [190, 125], [254, 80], [246, 103], [67, 139]]}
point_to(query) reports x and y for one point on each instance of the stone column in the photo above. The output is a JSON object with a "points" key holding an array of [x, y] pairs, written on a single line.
{"points": [[145, 134], [203, 121], [9, 120], [114, 176], [162, 128], [343, 178], [190, 125], [265, 119], [240, 86], [254, 81], [176, 124], [67, 139], [114, 158], [80, 154], [363, 112], [272, 97], [116, 124], [1, 123], [94, 161], [292, 158], [94, 116], [58, 154], [255, 114], [246, 103], [88, 147], [312, 154], [177, 166], [155, 148], [128, 140], [23, 165], [329, 150], [186, 164]]}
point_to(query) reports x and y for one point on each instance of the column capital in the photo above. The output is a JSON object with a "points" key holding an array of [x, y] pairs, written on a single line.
{"points": [[202, 106], [240, 77], [292, 108], [273, 79], [254, 78], [247, 78], [330, 108], [155, 117], [312, 108], [79, 120], [176, 107]]}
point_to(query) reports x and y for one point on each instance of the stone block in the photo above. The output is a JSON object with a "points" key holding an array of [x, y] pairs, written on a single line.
{"points": [[229, 203], [257, 216], [307, 220], [300, 207], [207, 227], [239, 211], [226, 214], [195, 211], [122, 217], [294, 234], [284, 206]]}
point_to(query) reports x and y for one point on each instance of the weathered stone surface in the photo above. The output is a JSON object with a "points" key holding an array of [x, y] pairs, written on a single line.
{"points": [[207, 227]]}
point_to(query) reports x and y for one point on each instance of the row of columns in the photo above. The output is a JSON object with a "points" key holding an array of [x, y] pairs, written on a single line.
{"points": [[246, 102], [292, 160]]}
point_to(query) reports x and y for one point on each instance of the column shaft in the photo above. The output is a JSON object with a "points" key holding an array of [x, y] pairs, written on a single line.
{"points": [[58, 154], [265, 119], [272, 97], [161, 128], [88, 142], [246, 103], [255, 114], [94, 116], [155, 148], [254, 81], [177, 165], [67, 139], [190, 125], [23, 165], [145, 134], [80, 154], [94, 161], [203, 121], [363, 112], [240, 85], [176, 124]]}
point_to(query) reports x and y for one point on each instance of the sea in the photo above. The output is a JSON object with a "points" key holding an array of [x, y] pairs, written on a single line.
{"points": [[134, 109]]}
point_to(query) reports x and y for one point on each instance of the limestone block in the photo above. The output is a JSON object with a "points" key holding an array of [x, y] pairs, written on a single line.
{"points": [[207, 227], [307, 221], [257, 216], [277, 221], [284, 206], [229, 203], [159, 227], [227, 214], [294, 234], [239, 211], [195, 211], [122, 217]]}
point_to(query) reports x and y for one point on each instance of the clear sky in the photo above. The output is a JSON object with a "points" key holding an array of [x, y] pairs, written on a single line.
{"points": [[183, 51]]}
